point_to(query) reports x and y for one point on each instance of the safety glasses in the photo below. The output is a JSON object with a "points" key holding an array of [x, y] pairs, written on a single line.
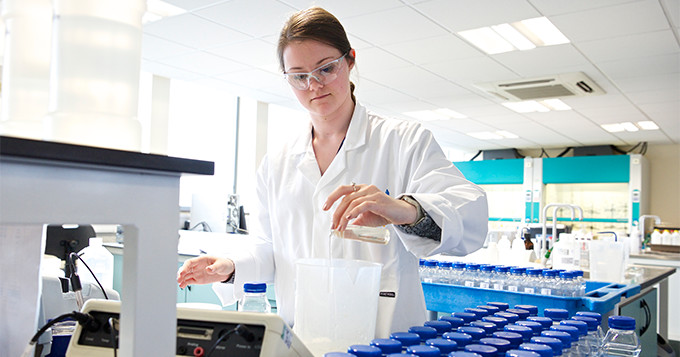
{"points": [[324, 74]]}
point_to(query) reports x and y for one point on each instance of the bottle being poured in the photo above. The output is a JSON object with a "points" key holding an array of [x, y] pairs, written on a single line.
{"points": [[379, 235]]}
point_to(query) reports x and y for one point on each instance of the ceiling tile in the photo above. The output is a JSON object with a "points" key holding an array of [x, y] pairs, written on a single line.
{"points": [[157, 48], [164, 70], [642, 66], [433, 49], [192, 31], [203, 63], [193, 4], [669, 81], [255, 52], [266, 17], [387, 27], [348, 8], [465, 15], [469, 71], [542, 61], [612, 21], [630, 46], [374, 59], [552, 7]]}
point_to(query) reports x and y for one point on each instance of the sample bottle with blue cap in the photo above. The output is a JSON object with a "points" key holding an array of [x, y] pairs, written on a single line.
{"points": [[485, 276], [479, 313], [545, 322], [490, 308], [513, 338], [501, 345], [441, 326], [521, 353], [597, 316], [254, 298], [466, 316], [500, 322], [475, 332], [455, 322], [444, 272], [554, 343], [535, 327], [445, 346], [424, 332], [556, 315], [594, 342], [387, 345], [524, 331], [564, 337], [533, 309], [621, 339], [582, 345], [516, 279], [462, 339], [482, 350], [532, 281], [512, 318], [471, 275], [464, 354], [401, 355], [500, 305], [523, 314], [500, 277], [488, 327], [406, 339], [424, 351], [364, 351], [573, 333], [542, 350]]}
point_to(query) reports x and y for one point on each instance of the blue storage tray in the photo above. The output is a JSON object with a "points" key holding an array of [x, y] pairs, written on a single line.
{"points": [[600, 297]]}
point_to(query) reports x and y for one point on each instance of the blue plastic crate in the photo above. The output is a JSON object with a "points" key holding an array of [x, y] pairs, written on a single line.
{"points": [[600, 297]]}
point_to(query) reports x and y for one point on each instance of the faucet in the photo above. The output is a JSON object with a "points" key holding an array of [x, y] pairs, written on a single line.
{"points": [[544, 230]]}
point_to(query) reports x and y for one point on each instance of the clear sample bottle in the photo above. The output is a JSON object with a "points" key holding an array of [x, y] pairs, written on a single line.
{"points": [[254, 298], [621, 339]]}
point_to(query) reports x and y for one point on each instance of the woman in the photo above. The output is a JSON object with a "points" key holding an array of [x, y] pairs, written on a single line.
{"points": [[350, 166]]}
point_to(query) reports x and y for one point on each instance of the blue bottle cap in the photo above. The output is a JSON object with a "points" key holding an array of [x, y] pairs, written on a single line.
{"points": [[471, 266], [564, 337], [440, 325], [554, 343], [424, 351], [533, 310], [466, 316], [475, 332], [338, 354], [501, 305], [549, 273], [500, 322], [430, 263], [459, 265], [424, 332], [514, 338], [571, 330], [502, 269], [454, 321], [546, 322], [542, 350], [464, 354], [621, 322], [595, 315], [445, 346], [566, 275], [521, 353], [534, 326], [517, 271], [255, 287], [591, 322], [523, 314], [556, 314], [534, 272], [500, 344], [387, 345], [401, 355], [512, 318], [421, 261], [580, 325], [487, 268], [483, 350], [526, 332], [490, 308], [406, 338], [364, 351], [479, 313], [444, 264], [488, 327], [461, 338]]}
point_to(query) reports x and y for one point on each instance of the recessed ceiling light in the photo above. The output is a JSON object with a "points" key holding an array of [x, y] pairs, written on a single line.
{"points": [[514, 37], [613, 128], [426, 115], [521, 35], [507, 134], [555, 104], [487, 40], [647, 125], [450, 113], [485, 135], [628, 126], [541, 31], [527, 106], [157, 10]]}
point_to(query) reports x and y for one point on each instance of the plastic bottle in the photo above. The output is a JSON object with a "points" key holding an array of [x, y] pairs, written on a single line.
{"points": [[442, 326], [387, 345], [594, 342], [532, 309], [485, 277], [100, 261], [548, 282], [254, 298], [471, 275], [564, 337], [445, 346], [462, 339], [579, 283], [457, 273], [444, 272], [582, 345], [675, 238], [554, 343], [364, 351], [429, 270], [656, 237], [499, 344], [424, 351], [542, 350], [515, 279], [565, 284], [621, 339], [556, 315], [532, 281], [597, 316], [666, 237], [500, 278], [482, 350], [425, 332], [406, 339]]}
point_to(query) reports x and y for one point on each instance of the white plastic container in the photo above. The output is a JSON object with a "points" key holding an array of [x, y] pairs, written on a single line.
{"points": [[336, 303], [607, 261], [94, 75], [100, 261]]}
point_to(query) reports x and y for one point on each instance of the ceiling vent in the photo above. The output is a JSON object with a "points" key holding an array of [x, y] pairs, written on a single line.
{"points": [[575, 84]]}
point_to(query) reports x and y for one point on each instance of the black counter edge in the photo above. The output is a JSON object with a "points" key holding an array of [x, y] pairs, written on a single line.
{"points": [[56, 151]]}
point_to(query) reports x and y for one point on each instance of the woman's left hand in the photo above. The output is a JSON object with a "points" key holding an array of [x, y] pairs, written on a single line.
{"points": [[368, 206]]}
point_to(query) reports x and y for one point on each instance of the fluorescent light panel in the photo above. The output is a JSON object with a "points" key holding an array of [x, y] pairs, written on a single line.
{"points": [[522, 35], [648, 125], [158, 10], [630, 127], [437, 114]]}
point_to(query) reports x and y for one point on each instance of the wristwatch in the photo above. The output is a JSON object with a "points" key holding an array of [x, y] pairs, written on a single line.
{"points": [[420, 212]]}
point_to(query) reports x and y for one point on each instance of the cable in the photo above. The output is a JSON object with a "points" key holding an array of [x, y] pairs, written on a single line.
{"points": [[91, 273], [240, 330], [114, 345], [83, 319], [206, 227], [564, 151], [477, 154]]}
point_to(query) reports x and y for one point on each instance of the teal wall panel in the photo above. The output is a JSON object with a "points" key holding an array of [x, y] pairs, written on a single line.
{"points": [[493, 172], [587, 169]]}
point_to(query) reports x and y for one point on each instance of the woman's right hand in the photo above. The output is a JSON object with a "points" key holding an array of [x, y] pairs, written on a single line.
{"points": [[205, 269]]}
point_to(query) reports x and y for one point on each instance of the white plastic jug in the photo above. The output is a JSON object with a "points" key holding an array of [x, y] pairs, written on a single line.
{"points": [[100, 261], [336, 303], [607, 261]]}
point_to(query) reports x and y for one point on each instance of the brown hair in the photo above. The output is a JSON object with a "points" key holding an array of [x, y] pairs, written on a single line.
{"points": [[316, 24]]}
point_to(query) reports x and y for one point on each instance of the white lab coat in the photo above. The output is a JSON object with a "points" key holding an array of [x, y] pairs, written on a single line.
{"points": [[397, 156]]}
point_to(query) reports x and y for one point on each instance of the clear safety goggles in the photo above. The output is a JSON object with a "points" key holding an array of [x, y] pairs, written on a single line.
{"points": [[324, 74]]}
